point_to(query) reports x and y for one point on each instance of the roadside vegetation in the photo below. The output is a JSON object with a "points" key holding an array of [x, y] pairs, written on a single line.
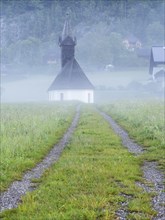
{"points": [[94, 175], [145, 122], [28, 132]]}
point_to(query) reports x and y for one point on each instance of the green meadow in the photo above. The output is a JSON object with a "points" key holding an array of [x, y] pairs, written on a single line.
{"points": [[93, 176], [145, 123], [28, 132]]}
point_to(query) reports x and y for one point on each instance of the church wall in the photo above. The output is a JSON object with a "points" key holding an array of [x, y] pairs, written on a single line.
{"points": [[86, 96]]}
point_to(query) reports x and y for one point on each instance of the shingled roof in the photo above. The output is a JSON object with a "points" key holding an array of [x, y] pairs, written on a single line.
{"points": [[71, 77], [157, 57], [158, 54]]}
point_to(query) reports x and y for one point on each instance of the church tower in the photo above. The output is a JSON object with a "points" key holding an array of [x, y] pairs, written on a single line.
{"points": [[67, 43]]}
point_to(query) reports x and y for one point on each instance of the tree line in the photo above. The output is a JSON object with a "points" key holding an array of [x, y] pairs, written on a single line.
{"points": [[30, 29]]}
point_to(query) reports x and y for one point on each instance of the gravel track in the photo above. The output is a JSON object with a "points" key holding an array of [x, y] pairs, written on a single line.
{"points": [[12, 197], [150, 173]]}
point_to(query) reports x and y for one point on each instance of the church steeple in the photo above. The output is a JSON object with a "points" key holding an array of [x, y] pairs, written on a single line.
{"points": [[67, 42], [67, 28]]}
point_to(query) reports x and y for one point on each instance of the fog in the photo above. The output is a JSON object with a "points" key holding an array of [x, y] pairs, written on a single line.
{"points": [[109, 86], [114, 41], [28, 89]]}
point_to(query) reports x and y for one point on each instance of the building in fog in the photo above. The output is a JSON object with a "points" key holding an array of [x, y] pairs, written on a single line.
{"points": [[131, 43], [71, 83], [157, 60]]}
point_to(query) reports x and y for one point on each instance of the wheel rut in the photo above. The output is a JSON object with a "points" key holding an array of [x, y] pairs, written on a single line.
{"points": [[12, 197], [151, 174]]}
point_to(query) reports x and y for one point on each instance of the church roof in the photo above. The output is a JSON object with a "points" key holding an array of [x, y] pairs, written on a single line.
{"points": [[68, 41], [71, 77]]}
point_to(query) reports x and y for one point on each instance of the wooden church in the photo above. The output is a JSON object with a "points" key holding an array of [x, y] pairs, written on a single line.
{"points": [[71, 83]]}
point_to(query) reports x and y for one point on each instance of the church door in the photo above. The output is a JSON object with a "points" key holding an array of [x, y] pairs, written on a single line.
{"points": [[61, 96], [89, 97]]}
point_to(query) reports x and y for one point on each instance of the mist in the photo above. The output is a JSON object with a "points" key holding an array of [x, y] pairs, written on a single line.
{"points": [[114, 40], [109, 87], [28, 89]]}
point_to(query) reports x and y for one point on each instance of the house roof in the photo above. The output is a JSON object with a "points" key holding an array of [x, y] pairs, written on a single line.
{"points": [[71, 77], [157, 57], [158, 54], [131, 39]]}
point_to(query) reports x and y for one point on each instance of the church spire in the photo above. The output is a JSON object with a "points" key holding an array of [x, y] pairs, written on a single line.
{"points": [[67, 27], [67, 42]]}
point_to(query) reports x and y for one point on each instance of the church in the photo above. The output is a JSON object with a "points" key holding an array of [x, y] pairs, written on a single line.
{"points": [[71, 83]]}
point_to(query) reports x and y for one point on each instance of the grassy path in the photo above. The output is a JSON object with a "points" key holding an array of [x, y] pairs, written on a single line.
{"points": [[11, 198], [145, 123], [91, 180], [154, 178]]}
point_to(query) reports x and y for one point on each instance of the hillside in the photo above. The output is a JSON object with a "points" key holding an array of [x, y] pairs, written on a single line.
{"points": [[30, 30]]}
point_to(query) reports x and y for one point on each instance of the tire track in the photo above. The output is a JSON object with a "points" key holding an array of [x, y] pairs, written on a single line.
{"points": [[150, 173], [12, 197]]}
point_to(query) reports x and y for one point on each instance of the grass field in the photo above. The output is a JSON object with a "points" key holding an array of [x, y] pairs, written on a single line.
{"points": [[95, 173], [28, 131], [93, 176], [145, 122]]}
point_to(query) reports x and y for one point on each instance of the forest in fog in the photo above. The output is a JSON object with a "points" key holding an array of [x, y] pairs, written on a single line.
{"points": [[30, 30]]}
